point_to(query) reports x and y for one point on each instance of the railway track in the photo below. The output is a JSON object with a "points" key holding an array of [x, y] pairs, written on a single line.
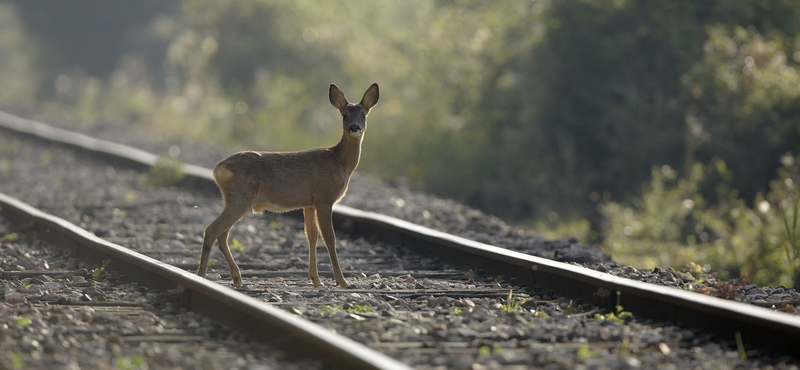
{"points": [[394, 283], [62, 312]]}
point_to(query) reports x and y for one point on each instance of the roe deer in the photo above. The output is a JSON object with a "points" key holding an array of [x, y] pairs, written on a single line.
{"points": [[313, 180]]}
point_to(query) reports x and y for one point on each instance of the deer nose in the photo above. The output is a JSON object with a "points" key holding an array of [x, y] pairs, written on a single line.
{"points": [[354, 128]]}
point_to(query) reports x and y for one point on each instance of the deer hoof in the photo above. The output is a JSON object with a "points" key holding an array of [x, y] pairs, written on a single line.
{"points": [[315, 280], [237, 281]]}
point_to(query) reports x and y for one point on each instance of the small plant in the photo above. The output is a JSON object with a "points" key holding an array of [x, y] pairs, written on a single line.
{"points": [[359, 308], [22, 321], [570, 308], [740, 346], [165, 172], [328, 309], [625, 347], [616, 317], [584, 353], [208, 264], [237, 245], [486, 351], [16, 361], [10, 237], [99, 274], [119, 213], [512, 303], [130, 363]]}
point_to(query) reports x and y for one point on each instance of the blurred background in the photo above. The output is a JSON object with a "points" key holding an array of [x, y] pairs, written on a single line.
{"points": [[666, 132]]}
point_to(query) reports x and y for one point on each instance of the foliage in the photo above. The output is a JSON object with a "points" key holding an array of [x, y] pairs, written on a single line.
{"points": [[585, 352], [18, 81], [740, 346], [130, 362], [165, 172], [743, 104], [99, 274], [10, 237], [792, 243], [16, 361], [22, 321], [237, 245], [619, 316], [359, 308], [513, 304], [673, 224]]}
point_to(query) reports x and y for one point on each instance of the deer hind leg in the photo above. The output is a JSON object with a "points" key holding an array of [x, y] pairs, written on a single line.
{"points": [[325, 222], [236, 275], [312, 233], [219, 230]]}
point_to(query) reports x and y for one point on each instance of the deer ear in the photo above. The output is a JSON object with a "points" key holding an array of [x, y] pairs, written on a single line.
{"points": [[337, 97], [370, 97]]}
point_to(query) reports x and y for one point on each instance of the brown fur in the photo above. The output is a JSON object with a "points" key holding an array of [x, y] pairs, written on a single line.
{"points": [[313, 180]]}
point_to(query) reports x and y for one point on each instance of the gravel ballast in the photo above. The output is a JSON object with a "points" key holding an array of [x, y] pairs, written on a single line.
{"points": [[58, 313]]}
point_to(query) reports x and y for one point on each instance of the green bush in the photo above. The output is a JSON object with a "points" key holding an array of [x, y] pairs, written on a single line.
{"points": [[673, 224]]}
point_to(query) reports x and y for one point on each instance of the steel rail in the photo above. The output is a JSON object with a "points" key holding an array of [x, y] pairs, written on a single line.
{"points": [[759, 327], [249, 316]]}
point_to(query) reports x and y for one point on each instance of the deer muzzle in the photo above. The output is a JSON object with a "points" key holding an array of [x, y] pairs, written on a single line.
{"points": [[354, 128]]}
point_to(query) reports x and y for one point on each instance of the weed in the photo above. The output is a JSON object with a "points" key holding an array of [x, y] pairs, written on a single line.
{"points": [[740, 346], [486, 351], [328, 309], [570, 308], [119, 213], [10, 237], [16, 361], [165, 172], [130, 196], [512, 303], [210, 263], [130, 363], [360, 308], [625, 348], [99, 274], [22, 321], [237, 245], [584, 353], [616, 317]]}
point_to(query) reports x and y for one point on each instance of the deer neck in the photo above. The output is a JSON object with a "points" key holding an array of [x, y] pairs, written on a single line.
{"points": [[348, 150]]}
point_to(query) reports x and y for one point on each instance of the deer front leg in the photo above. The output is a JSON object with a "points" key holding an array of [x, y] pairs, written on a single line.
{"points": [[325, 222], [310, 218], [208, 243]]}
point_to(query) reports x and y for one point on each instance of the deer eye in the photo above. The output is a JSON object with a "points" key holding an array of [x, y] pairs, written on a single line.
{"points": [[344, 117], [363, 115]]}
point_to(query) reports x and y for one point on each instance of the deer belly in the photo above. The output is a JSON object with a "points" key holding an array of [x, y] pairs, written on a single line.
{"points": [[267, 206]]}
